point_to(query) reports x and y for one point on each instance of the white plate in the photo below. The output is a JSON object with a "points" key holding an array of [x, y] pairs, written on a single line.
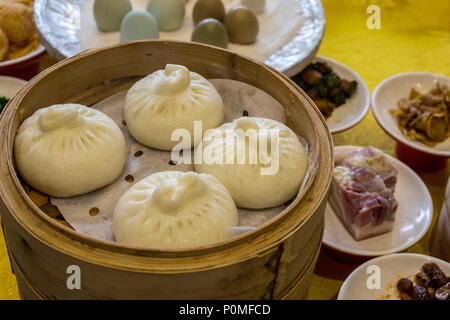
{"points": [[9, 86], [63, 26], [355, 109], [391, 268], [413, 217], [386, 96], [40, 50]]}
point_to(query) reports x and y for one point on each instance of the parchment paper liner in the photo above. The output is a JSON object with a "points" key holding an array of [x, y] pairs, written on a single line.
{"points": [[91, 214]]}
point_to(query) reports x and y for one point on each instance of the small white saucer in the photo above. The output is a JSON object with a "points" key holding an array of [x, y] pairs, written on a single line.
{"points": [[391, 269], [413, 217], [386, 96], [355, 109], [9, 86]]}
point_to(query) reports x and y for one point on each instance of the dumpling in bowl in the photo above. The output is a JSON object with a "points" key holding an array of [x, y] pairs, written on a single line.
{"points": [[174, 210], [69, 149], [260, 161], [168, 100]]}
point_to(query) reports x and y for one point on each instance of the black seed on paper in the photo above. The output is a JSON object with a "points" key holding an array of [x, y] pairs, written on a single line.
{"points": [[94, 211]]}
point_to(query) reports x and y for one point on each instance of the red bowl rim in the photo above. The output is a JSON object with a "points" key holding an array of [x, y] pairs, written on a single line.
{"points": [[16, 62]]}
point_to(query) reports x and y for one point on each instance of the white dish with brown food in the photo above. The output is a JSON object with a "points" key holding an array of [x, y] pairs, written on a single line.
{"points": [[413, 91], [289, 35], [362, 283], [18, 36], [409, 222], [355, 107]]}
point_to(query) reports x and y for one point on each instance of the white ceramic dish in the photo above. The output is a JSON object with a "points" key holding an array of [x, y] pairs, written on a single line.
{"points": [[413, 217], [39, 51], [355, 109], [9, 86], [391, 269], [65, 24], [385, 98]]}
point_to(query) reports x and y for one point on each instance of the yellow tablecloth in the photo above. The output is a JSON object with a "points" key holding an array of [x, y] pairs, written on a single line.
{"points": [[414, 36]]}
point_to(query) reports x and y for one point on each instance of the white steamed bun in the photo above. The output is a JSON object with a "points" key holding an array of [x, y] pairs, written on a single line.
{"points": [[171, 99], [258, 183], [69, 149], [173, 210]]}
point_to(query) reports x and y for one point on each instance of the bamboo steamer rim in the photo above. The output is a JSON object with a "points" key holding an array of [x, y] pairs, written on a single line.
{"points": [[255, 239], [299, 280]]}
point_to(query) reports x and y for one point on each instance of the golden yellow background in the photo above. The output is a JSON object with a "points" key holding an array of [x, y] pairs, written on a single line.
{"points": [[414, 36]]}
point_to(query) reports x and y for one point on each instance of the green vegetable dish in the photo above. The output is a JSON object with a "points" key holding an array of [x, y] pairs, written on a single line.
{"points": [[325, 87], [3, 102]]}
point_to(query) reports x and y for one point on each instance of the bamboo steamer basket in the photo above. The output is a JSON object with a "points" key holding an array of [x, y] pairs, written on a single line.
{"points": [[275, 261]]}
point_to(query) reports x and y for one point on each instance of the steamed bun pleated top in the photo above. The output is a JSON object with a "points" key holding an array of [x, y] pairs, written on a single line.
{"points": [[260, 161], [67, 150], [168, 100], [174, 210]]}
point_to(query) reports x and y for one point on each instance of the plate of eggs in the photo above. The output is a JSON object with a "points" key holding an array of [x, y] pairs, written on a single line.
{"points": [[283, 34]]}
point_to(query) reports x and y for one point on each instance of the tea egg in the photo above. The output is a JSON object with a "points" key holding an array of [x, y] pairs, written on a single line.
{"points": [[211, 31], [208, 9], [138, 25], [257, 6], [109, 14], [169, 13], [242, 25]]}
